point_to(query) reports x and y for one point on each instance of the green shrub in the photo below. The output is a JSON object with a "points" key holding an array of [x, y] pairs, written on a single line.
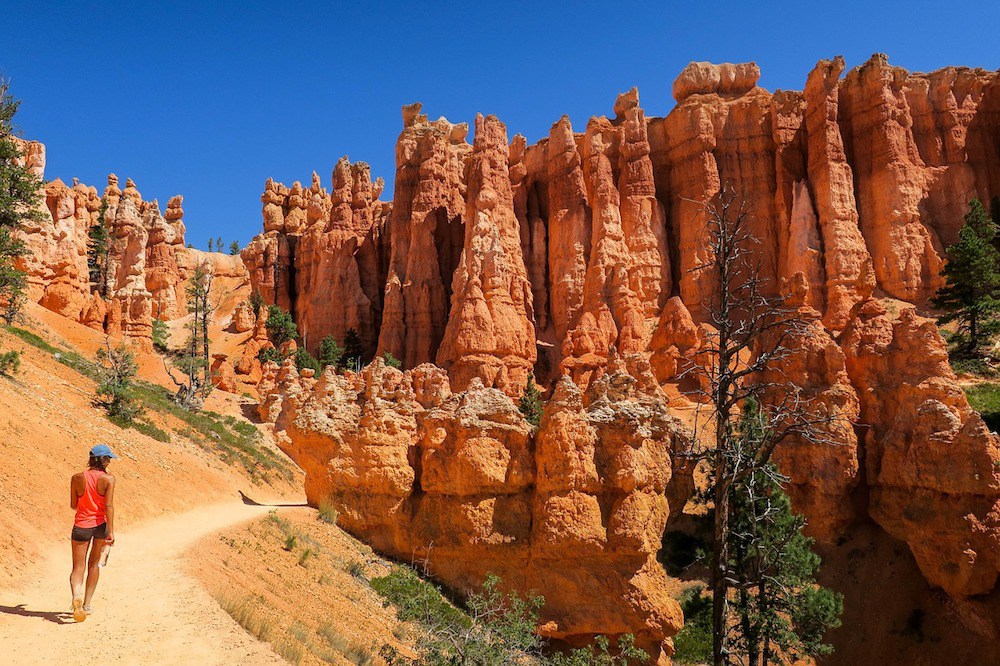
{"points": [[269, 354], [10, 363], [417, 599], [693, 645], [391, 360], [303, 360], [985, 399], [290, 542]]}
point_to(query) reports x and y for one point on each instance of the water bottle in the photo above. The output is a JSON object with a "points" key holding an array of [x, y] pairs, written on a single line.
{"points": [[104, 556]]}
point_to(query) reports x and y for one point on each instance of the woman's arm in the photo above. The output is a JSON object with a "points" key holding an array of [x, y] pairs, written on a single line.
{"points": [[109, 509], [74, 497]]}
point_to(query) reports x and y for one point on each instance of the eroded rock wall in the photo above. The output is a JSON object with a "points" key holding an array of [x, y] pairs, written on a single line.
{"points": [[462, 482]]}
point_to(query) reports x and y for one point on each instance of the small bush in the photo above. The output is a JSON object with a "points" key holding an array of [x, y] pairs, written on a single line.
{"points": [[270, 354], [304, 557], [693, 645], [328, 513], [10, 363], [391, 360], [976, 367], [985, 399], [290, 542], [303, 360], [417, 599], [357, 570], [114, 392]]}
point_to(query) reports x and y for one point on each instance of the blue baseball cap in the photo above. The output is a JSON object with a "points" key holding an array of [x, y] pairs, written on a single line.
{"points": [[101, 451]]}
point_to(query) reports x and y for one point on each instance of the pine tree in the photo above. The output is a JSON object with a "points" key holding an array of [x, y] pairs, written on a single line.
{"points": [[234, 248], [211, 244], [971, 294], [330, 352], [19, 201], [782, 612], [193, 359], [218, 244], [280, 326], [161, 335], [531, 402], [97, 252], [353, 350]]}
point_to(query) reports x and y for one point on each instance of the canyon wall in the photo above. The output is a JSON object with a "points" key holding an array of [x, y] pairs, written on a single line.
{"points": [[147, 262], [854, 187]]}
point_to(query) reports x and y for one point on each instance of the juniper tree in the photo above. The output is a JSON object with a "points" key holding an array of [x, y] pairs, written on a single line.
{"points": [[750, 334], [117, 378], [971, 293]]}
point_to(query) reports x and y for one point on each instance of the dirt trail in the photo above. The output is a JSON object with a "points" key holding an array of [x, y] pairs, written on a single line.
{"points": [[146, 609]]}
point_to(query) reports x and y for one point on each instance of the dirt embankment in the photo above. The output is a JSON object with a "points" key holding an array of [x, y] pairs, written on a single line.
{"points": [[301, 585]]}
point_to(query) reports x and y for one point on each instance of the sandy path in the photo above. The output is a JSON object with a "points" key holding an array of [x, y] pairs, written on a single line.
{"points": [[146, 609]]}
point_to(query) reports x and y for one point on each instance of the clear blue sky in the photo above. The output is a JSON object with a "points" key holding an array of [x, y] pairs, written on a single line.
{"points": [[209, 99]]}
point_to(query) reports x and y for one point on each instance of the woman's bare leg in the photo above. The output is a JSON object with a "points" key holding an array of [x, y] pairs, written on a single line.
{"points": [[93, 571], [79, 567]]}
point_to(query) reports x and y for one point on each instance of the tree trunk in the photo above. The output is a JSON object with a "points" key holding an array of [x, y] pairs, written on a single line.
{"points": [[720, 556]]}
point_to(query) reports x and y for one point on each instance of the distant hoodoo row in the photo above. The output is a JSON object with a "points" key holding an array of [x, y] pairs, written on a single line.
{"points": [[494, 259]]}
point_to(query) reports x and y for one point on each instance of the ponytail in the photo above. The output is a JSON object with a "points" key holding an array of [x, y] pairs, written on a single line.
{"points": [[99, 462]]}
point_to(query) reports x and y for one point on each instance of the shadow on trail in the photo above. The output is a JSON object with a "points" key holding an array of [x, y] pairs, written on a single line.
{"points": [[252, 502], [56, 617]]}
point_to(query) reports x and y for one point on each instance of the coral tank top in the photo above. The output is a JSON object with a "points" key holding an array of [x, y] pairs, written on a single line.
{"points": [[90, 509]]}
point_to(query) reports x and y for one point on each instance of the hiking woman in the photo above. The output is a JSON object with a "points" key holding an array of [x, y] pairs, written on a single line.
{"points": [[92, 494]]}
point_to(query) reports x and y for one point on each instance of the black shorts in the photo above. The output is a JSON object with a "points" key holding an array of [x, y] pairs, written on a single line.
{"points": [[88, 533]]}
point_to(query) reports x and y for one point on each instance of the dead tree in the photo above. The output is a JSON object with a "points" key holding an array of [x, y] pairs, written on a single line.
{"points": [[752, 327]]}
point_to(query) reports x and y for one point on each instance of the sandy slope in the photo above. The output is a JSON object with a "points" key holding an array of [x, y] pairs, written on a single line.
{"points": [[147, 610]]}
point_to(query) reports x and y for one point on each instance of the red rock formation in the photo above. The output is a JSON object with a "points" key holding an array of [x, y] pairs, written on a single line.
{"points": [[933, 467], [490, 334], [822, 469], [847, 265], [427, 230], [575, 511], [147, 264]]}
